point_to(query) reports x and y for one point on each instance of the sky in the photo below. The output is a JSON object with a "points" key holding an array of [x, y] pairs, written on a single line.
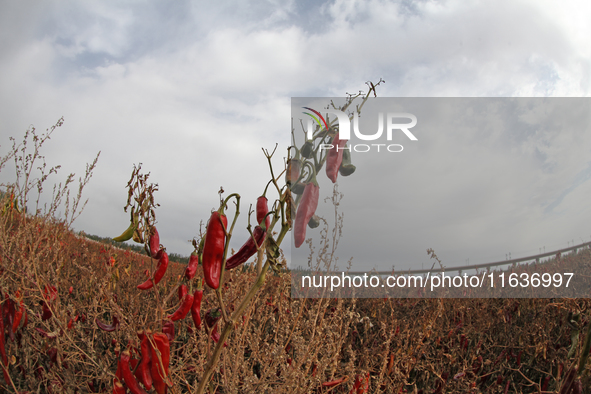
{"points": [[194, 90]]}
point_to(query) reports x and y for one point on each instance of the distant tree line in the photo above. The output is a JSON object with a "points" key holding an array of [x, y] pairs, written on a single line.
{"points": [[135, 248]]}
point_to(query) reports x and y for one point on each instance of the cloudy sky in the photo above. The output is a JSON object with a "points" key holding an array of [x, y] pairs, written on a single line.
{"points": [[194, 90]]}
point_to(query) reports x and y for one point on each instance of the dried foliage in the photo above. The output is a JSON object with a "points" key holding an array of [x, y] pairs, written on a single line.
{"points": [[282, 345]]}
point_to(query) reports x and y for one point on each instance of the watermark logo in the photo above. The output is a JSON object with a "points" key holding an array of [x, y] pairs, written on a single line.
{"points": [[392, 124]]}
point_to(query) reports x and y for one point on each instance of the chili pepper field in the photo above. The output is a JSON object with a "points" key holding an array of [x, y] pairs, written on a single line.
{"points": [[80, 316], [279, 345]]}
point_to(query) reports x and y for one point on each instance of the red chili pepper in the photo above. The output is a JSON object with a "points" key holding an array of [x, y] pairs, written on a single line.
{"points": [[160, 362], [128, 377], [46, 334], [335, 382], [196, 308], [118, 387], [248, 249], [158, 274], [46, 312], [154, 241], [213, 249], [212, 316], [215, 336], [191, 269], [108, 327], [184, 307], [262, 210], [143, 370], [335, 158], [18, 316], [305, 211], [50, 292], [568, 380], [3, 348], [292, 173], [168, 329], [361, 385], [182, 291]]}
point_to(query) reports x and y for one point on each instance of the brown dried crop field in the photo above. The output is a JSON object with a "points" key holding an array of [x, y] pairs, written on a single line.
{"points": [[281, 345]]}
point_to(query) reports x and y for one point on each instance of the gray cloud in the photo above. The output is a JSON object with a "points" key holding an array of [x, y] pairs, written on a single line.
{"points": [[193, 90]]}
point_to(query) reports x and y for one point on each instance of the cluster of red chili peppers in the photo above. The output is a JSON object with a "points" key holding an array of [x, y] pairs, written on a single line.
{"points": [[150, 368], [309, 156], [13, 316]]}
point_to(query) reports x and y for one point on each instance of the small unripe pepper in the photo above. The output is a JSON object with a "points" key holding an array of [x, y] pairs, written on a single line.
{"points": [[307, 150], [213, 249], [346, 167], [305, 211], [314, 221]]}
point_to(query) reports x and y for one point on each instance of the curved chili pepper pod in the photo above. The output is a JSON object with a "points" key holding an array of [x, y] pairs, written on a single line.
{"points": [[182, 291], [128, 233], [305, 211], [143, 370], [247, 250], [183, 309], [335, 382], [154, 243], [262, 210], [18, 316], [168, 329], [196, 308], [294, 166], [107, 327], [213, 249], [160, 362], [191, 269], [128, 377], [335, 158], [215, 336], [158, 273]]}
